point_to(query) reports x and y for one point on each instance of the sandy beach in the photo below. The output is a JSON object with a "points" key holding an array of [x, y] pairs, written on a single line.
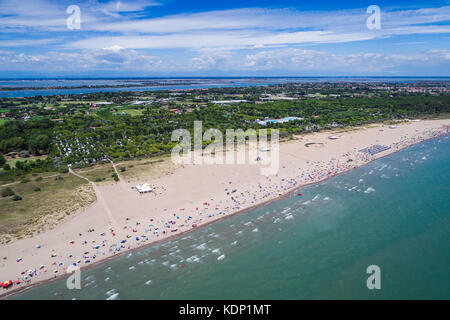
{"points": [[192, 196]]}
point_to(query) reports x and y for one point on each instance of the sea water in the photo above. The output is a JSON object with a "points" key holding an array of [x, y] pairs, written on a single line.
{"points": [[200, 83], [393, 213]]}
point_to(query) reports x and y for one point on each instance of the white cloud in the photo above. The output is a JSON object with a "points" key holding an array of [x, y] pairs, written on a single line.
{"points": [[247, 28], [118, 35], [114, 48], [226, 28], [314, 60], [87, 60], [211, 61], [279, 59]]}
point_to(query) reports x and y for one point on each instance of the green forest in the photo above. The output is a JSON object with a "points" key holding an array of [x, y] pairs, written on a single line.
{"points": [[83, 138]]}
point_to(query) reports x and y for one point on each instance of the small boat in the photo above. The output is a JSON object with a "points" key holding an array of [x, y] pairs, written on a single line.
{"points": [[299, 194]]}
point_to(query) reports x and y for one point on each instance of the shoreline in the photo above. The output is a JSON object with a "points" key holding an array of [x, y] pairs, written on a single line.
{"points": [[287, 193]]}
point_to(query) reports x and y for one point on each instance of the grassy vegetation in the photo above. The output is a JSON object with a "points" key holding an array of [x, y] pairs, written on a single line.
{"points": [[44, 203], [133, 112], [147, 168], [11, 161], [99, 174]]}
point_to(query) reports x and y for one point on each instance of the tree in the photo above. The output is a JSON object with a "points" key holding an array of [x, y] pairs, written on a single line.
{"points": [[16, 197], [7, 192], [2, 160], [38, 143]]}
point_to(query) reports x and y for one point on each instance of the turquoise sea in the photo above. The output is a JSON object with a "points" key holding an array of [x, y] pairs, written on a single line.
{"points": [[393, 213]]}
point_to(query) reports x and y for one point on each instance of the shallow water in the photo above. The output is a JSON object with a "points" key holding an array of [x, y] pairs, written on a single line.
{"points": [[68, 85], [394, 213], [201, 83]]}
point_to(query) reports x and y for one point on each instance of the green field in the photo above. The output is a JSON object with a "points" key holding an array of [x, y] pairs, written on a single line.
{"points": [[133, 112], [56, 199]]}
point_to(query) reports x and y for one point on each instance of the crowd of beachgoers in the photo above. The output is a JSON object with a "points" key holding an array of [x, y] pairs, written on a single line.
{"points": [[92, 245]]}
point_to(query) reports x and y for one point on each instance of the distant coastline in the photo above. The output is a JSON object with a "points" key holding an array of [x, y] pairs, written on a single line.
{"points": [[29, 87]]}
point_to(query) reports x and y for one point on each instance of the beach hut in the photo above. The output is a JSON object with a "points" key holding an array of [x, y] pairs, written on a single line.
{"points": [[144, 188]]}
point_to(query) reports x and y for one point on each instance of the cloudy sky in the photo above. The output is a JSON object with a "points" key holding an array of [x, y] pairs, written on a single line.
{"points": [[44, 38]]}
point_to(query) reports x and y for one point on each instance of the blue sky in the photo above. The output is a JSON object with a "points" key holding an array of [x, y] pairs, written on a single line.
{"points": [[223, 38]]}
